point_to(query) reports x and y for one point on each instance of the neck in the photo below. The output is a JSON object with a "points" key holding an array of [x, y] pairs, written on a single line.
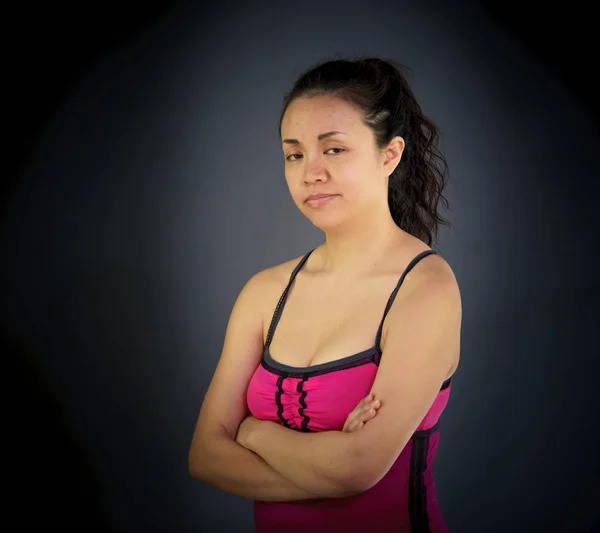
{"points": [[357, 249]]}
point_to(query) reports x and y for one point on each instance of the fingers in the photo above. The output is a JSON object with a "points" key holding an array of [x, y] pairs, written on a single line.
{"points": [[361, 414], [367, 399], [370, 410]]}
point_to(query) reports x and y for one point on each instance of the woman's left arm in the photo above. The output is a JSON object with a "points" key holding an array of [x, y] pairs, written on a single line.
{"points": [[421, 345], [320, 463]]}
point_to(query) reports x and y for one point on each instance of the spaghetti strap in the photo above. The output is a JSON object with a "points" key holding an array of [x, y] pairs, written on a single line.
{"points": [[392, 297], [279, 308]]}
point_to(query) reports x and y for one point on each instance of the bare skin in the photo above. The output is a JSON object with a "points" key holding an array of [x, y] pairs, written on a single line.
{"points": [[362, 413]]}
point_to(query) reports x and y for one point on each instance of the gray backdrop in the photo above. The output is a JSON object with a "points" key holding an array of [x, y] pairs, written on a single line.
{"points": [[157, 190]]}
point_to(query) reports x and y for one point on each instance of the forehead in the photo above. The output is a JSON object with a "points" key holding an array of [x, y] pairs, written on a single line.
{"points": [[311, 116]]}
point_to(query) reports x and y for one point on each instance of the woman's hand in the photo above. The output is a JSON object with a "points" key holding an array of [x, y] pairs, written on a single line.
{"points": [[363, 412]]}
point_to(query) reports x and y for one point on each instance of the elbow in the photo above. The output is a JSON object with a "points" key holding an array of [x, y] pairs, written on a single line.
{"points": [[366, 470], [194, 467], [356, 479], [369, 480], [201, 453], [197, 463], [359, 481]]}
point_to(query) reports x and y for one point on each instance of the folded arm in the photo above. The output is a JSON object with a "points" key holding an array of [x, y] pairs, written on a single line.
{"points": [[421, 347], [321, 463], [224, 464], [214, 456]]}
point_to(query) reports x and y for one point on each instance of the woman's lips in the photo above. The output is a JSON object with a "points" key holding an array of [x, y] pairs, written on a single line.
{"points": [[320, 200]]}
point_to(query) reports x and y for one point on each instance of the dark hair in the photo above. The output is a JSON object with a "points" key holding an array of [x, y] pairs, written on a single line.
{"points": [[379, 88]]}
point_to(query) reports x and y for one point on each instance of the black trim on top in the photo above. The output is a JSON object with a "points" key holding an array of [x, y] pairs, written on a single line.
{"points": [[299, 371], [371, 355], [270, 364], [367, 356], [417, 491]]}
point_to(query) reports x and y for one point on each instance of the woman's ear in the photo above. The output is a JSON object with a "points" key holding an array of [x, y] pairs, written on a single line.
{"points": [[392, 155]]}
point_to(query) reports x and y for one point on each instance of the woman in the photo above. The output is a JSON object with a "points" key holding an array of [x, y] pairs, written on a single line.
{"points": [[372, 310]]}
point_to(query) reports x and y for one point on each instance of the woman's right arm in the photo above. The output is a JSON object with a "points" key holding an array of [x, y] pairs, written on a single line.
{"points": [[215, 457]]}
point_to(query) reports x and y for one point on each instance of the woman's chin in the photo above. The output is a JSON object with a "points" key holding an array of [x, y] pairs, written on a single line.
{"points": [[325, 221]]}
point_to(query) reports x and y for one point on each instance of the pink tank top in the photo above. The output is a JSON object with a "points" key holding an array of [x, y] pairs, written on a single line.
{"points": [[319, 398]]}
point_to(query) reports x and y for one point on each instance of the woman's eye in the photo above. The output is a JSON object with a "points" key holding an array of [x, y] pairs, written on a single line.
{"points": [[340, 149], [291, 157]]}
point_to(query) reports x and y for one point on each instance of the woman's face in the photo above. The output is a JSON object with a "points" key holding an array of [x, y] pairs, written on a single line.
{"points": [[329, 151]]}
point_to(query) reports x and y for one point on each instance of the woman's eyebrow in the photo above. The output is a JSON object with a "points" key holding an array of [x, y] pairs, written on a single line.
{"points": [[319, 137]]}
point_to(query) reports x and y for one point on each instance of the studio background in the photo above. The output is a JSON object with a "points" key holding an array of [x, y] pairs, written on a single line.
{"points": [[155, 189]]}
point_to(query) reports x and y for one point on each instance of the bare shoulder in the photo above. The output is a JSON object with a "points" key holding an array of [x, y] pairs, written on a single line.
{"points": [[431, 279], [435, 269], [275, 274], [274, 278], [267, 285], [431, 270]]}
